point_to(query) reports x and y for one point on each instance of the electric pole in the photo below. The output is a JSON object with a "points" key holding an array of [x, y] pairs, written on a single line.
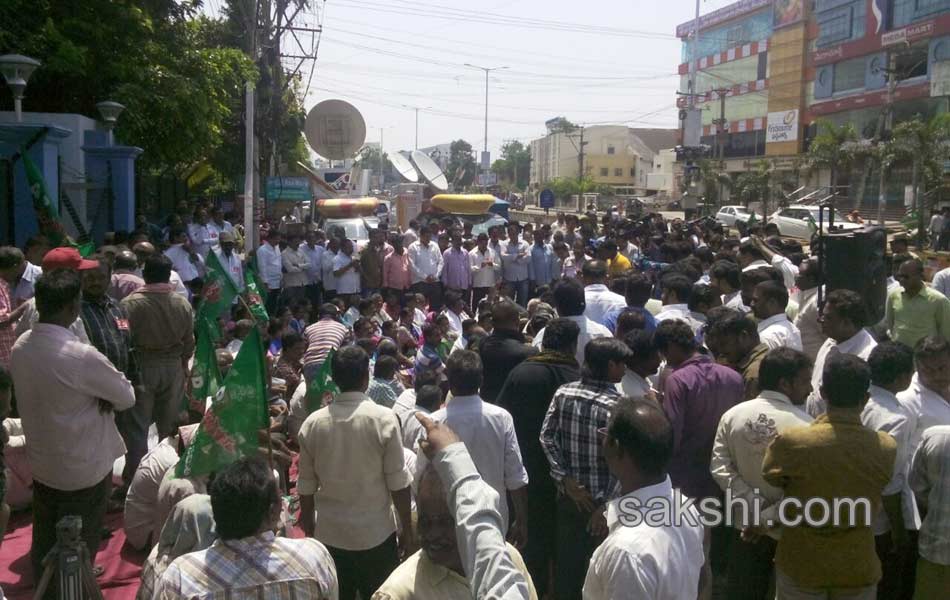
{"points": [[721, 124], [487, 70]]}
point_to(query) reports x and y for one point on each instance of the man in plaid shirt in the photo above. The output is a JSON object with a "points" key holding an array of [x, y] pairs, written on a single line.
{"points": [[248, 561], [570, 437]]}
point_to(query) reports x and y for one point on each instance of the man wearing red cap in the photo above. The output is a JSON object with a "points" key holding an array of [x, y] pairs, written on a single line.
{"points": [[57, 258]]}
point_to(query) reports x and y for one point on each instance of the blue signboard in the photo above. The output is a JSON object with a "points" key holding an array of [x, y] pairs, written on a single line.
{"points": [[546, 200], [292, 189]]}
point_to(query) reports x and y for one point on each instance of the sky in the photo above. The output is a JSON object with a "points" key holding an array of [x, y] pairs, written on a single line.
{"points": [[593, 62]]}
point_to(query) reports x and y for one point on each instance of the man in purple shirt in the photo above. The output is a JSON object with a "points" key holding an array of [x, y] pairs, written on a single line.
{"points": [[456, 270], [695, 396]]}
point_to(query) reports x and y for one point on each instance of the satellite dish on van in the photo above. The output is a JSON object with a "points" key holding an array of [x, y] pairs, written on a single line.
{"points": [[335, 129], [430, 171], [405, 168]]}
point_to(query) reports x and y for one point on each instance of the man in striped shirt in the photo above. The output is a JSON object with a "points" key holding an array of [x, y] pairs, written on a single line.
{"points": [[248, 561], [323, 336]]}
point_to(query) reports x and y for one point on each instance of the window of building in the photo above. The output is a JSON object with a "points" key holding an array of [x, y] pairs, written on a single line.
{"points": [[849, 75], [834, 26], [618, 172], [633, 172], [604, 172], [762, 69], [912, 62], [908, 11], [610, 150]]}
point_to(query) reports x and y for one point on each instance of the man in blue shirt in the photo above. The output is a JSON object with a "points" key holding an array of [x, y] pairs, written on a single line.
{"points": [[541, 268], [637, 293]]}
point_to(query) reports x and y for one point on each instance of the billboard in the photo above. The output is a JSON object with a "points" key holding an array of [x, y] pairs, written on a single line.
{"points": [[788, 12], [782, 126]]}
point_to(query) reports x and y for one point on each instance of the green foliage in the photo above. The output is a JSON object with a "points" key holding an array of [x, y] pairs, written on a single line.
{"points": [[515, 160], [462, 167], [564, 187], [712, 178], [562, 125], [834, 149], [180, 75], [754, 185], [926, 143], [369, 159]]}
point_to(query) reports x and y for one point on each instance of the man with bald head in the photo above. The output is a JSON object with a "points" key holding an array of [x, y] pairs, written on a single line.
{"points": [[125, 278], [435, 572], [142, 251], [504, 349]]}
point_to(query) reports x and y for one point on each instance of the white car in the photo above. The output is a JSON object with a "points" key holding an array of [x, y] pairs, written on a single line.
{"points": [[802, 221], [728, 215]]}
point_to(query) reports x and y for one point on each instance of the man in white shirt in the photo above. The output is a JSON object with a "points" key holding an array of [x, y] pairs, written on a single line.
{"points": [[218, 224], [486, 269], [356, 517], [231, 262], [599, 300], [676, 290], [937, 224], [69, 420], [806, 319], [516, 260], [186, 262], [769, 301], [724, 276], [941, 282], [346, 270], [755, 254], [296, 267], [425, 264], [892, 370], [642, 364], [569, 300], [270, 268], [641, 558], [928, 398], [930, 480], [744, 433], [329, 281], [202, 235], [842, 320], [314, 253], [488, 432]]}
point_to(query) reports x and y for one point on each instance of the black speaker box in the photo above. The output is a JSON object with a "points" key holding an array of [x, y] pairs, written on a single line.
{"points": [[855, 261]]}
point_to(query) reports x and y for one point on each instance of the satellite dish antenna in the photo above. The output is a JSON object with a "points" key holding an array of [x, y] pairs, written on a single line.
{"points": [[430, 171], [335, 129], [405, 168]]}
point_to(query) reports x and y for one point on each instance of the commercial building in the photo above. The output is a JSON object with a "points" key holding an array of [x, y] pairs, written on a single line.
{"points": [[614, 155], [768, 70]]}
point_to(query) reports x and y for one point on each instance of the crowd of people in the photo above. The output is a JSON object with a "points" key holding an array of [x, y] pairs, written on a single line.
{"points": [[593, 408]]}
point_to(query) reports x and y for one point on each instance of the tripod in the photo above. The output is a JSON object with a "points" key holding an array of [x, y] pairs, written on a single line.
{"points": [[70, 559]]}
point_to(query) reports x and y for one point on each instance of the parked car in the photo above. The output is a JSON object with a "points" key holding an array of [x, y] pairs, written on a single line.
{"points": [[728, 215], [802, 221]]}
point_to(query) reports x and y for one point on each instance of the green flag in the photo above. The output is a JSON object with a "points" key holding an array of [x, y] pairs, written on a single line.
{"points": [[205, 375], [217, 294], [254, 299], [321, 386], [47, 214], [86, 249], [229, 429]]}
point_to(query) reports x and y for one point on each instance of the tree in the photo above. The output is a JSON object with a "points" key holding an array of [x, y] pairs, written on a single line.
{"points": [[755, 185], [560, 125], [713, 180], [924, 146], [833, 149], [514, 165], [462, 167], [368, 158]]}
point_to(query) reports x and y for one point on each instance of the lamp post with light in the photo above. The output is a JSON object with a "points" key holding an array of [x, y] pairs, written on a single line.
{"points": [[109, 111], [16, 71]]}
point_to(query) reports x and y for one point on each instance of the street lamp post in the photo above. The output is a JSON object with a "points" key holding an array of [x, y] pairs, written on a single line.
{"points": [[109, 111], [16, 71], [417, 109], [487, 70]]}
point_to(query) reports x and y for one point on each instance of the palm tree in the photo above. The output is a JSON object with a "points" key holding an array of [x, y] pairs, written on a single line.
{"points": [[925, 146], [833, 149]]}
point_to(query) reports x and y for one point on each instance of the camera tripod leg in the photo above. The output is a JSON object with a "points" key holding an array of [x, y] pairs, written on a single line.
{"points": [[44, 580], [88, 577]]}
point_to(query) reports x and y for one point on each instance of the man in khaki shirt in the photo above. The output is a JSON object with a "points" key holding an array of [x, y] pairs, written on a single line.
{"points": [[162, 325], [833, 459], [352, 472], [435, 572]]}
